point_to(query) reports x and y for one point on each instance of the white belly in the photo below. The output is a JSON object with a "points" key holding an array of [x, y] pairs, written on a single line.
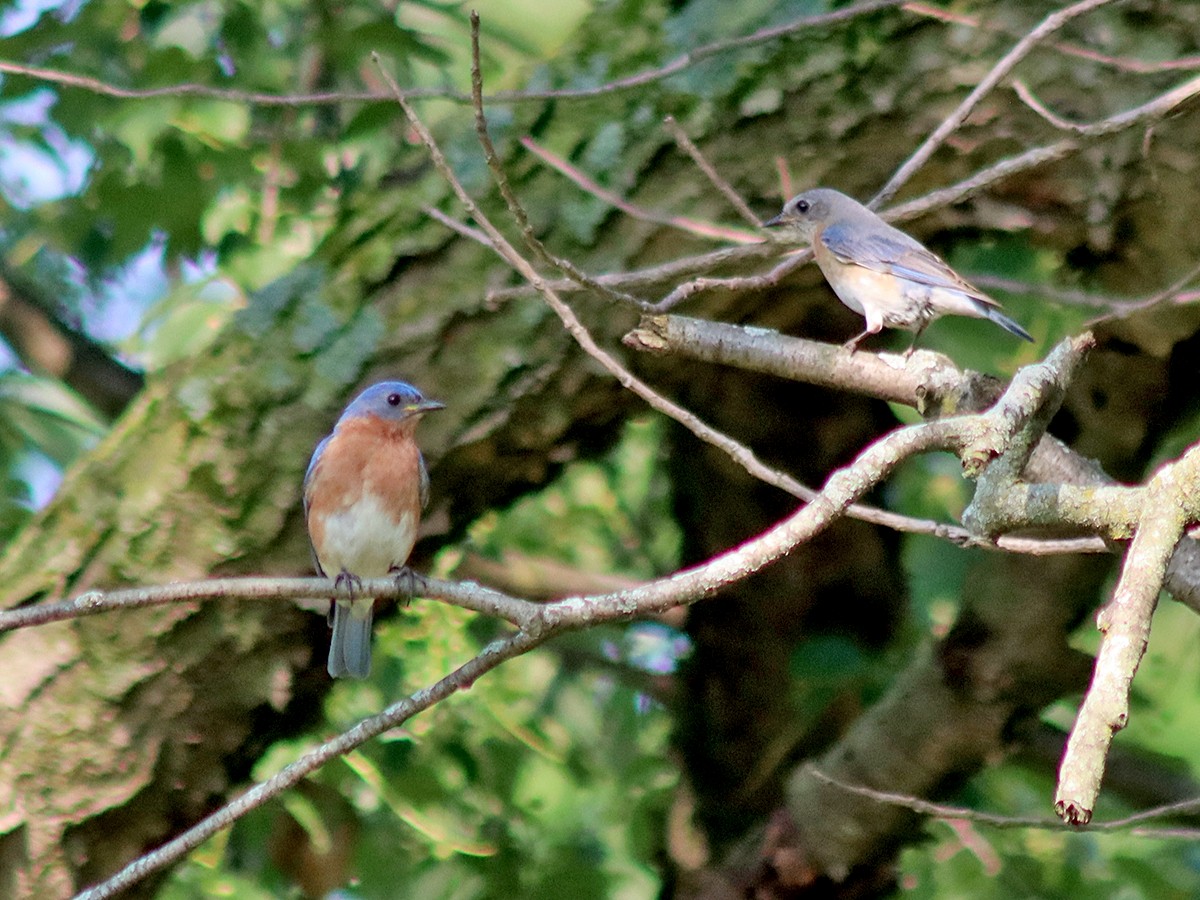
{"points": [[366, 541]]}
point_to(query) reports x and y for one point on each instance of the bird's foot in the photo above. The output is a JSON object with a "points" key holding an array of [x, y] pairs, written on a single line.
{"points": [[352, 583], [408, 581], [852, 345]]}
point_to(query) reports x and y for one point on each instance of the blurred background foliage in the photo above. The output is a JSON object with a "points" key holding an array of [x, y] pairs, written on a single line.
{"points": [[145, 224]]}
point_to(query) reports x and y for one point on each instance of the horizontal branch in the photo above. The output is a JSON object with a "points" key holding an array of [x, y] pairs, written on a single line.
{"points": [[465, 594], [998, 820], [326, 98], [926, 381]]}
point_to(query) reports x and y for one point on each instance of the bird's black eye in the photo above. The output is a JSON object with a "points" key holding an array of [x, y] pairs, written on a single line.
{"points": [[802, 206], [394, 399]]}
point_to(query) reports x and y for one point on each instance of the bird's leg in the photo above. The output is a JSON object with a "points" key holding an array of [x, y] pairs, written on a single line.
{"points": [[852, 344], [916, 336], [408, 581]]}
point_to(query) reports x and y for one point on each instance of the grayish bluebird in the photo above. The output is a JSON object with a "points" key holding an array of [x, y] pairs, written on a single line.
{"points": [[879, 271]]}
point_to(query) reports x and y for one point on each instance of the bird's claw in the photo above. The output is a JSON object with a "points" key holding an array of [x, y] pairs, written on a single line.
{"points": [[408, 581], [352, 583]]}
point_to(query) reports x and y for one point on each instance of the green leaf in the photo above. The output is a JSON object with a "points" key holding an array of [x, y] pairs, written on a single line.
{"points": [[42, 413]]}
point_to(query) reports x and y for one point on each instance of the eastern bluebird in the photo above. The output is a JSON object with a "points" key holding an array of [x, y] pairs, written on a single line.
{"points": [[879, 271], [363, 494]]}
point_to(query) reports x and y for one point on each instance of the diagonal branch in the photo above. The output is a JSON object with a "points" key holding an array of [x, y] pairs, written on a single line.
{"points": [[844, 486]]}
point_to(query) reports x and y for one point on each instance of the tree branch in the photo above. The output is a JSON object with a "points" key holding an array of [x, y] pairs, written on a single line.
{"points": [[874, 464], [647, 76], [1169, 503], [47, 344]]}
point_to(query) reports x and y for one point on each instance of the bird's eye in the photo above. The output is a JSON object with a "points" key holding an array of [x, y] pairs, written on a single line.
{"points": [[802, 206], [394, 399]]}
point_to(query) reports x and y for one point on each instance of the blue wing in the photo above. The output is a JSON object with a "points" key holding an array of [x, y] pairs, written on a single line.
{"points": [[423, 482], [894, 252], [308, 475]]}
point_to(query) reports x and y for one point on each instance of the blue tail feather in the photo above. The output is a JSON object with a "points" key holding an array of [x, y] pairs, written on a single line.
{"points": [[350, 645], [1006, 323]]}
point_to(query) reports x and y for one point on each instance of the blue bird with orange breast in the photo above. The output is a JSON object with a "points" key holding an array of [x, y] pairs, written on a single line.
{"points": [[363, 494], [880, 272]]}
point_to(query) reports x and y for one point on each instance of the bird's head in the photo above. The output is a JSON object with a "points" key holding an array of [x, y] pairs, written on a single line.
{"points": [[392, 401], [805, 213]]}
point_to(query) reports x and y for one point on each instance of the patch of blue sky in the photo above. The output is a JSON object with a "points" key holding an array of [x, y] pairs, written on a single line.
{"points": [[34, 172]]}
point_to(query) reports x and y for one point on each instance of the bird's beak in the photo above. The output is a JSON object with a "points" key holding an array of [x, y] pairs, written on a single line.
{"points": [[775, 222], [423, 407]]}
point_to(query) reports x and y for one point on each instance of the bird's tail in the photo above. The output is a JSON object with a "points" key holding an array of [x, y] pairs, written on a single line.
{"points": [[994, 314], [350, 645]]}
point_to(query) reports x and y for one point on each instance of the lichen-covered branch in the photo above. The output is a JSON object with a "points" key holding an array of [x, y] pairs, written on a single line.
{"points": [[1169, 503]]}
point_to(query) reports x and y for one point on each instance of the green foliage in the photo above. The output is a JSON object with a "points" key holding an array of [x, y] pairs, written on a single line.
{"points": [[38, 416], [603, 516], [965, 859]]}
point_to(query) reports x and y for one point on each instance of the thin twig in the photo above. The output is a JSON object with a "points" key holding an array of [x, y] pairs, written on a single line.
{"points": [[794, 261], [1020, 50], [457, 227], [1120, 63], [1005, 168], [647, 76], [998, 820], [687, 146], [683, 223], [1164, 102], [1174, 291]]}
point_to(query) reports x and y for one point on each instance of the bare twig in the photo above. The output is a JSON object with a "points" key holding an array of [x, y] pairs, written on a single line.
{"points": [[1120, 63], [935, 810], [654, 277], [1152, 109], [1174, 291], [647, 76], [989, 175], [1020, 50], [687, 146], [688, 289], [473, 234], [997, 820], [683, 223]]}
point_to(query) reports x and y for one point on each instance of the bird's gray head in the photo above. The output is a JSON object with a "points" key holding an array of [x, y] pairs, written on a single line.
{"points": [[390, 400], [805, 213]]}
